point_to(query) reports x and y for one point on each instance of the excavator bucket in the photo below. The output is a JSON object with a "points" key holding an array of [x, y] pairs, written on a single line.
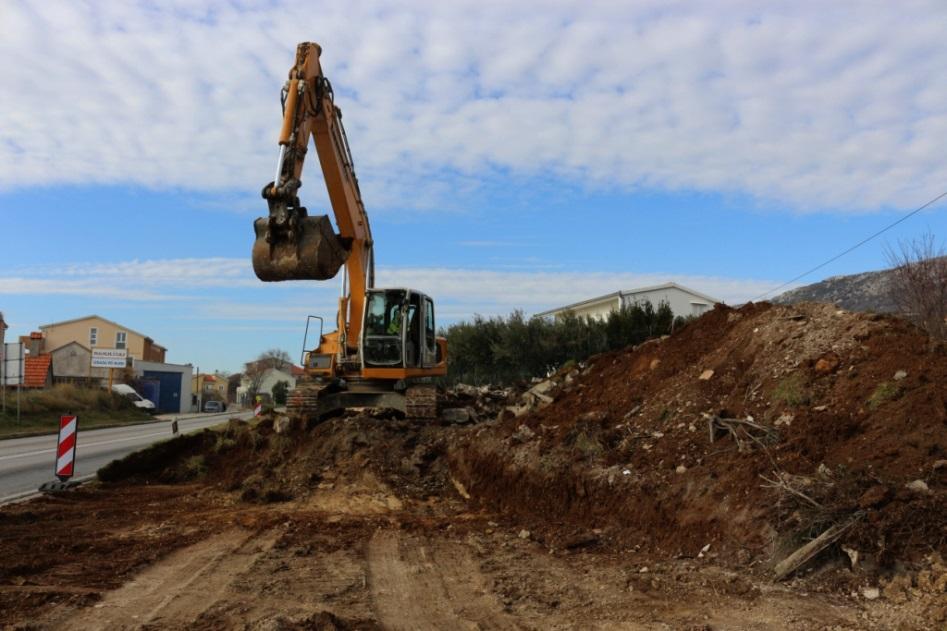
{"points": [[311, 251]]}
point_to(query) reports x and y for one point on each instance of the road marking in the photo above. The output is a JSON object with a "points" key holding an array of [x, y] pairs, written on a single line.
{"points": [[82, 445], [102, 442]]}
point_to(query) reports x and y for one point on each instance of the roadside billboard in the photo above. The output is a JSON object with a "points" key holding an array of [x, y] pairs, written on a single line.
{"points": [[109, 357], [11, 364]]}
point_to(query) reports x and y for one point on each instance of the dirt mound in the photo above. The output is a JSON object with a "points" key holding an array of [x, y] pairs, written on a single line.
{"points": [[751, 430], [272, 460], [739, 438]]}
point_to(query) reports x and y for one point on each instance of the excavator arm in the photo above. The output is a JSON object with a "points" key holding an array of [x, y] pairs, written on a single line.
{"points": [[291, 245]]}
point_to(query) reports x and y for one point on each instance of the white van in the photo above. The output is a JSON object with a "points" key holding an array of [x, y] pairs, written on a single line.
{"points": [[129, 393]]}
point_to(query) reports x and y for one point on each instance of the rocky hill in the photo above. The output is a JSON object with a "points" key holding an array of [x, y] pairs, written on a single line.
{"points": [[868, 291]]}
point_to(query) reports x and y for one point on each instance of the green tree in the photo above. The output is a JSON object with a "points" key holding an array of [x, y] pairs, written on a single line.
{"points": [[280, 392], [514, 348]]}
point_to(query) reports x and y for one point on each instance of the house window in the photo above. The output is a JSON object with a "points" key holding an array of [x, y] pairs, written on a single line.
{"points": [[698, 308], [120, 339], [93, 336]]}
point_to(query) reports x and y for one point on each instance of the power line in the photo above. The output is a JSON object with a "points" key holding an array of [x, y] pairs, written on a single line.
{"points": [[854, 247]]}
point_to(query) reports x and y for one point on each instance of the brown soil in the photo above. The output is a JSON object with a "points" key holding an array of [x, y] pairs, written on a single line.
{"points": [[626, 447], [292, 567], [369, 522]]}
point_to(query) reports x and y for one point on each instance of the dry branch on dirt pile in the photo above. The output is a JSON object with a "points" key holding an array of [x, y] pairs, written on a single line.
{"points": [[919, 283], [745, 432], [810, 550]]}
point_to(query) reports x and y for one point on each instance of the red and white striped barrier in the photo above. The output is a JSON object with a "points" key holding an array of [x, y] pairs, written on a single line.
{"points": [[66, 451], [258, 410]]}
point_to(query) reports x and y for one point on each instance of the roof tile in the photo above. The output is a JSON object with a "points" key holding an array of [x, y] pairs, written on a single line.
{"points": [[36, 370]]}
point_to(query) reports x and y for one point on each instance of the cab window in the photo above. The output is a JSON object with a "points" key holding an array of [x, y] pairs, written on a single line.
{"points": [[383, 314], [429, 323]]}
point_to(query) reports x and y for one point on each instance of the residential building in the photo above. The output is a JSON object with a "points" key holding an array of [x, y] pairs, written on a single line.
{"points": [[72, 363], [69, 345], [168, 386], [682, 300], [97, 332], [267, 380], [233, 384], [62, 353], [210, 386]]}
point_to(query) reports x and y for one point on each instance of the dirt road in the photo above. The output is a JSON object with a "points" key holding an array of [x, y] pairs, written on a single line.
{"points": [[193, 558]]}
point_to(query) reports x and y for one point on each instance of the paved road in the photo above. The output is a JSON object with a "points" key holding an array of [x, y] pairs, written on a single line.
{"points": [[25, 463]]}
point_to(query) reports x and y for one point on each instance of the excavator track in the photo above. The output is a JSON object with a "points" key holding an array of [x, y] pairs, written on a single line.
{"points": [[303, 400], [421, 401], [310, 400]]}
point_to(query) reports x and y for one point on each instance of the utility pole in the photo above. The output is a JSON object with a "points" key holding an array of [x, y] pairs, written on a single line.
{"points": [[3, 362], [3, 372], [18, 382]]}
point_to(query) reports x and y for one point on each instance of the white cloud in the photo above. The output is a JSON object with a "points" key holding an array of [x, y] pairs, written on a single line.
{"points": [[806, 104], [217, 287], [25, 286], [461, 292], [195, 272]]}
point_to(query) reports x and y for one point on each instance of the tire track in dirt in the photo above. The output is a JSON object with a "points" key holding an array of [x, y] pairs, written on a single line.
{"points": [[434, 584], [174, 592]]}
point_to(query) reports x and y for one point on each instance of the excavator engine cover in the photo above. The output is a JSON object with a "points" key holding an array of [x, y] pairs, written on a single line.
{"points": [[311, 251]]}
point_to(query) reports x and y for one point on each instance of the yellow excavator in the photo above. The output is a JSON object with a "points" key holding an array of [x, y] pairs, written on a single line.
{"points": [[385, 351]]}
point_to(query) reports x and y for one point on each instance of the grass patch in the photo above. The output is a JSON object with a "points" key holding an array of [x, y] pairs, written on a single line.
{"points": [[588, 446], [169, 461], [40, 409], [567, 367], [194, 467], [791, 391], [886, 391]]}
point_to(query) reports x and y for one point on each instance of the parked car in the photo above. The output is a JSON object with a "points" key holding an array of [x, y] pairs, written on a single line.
{"points": [[213, 406], [125, 390]]}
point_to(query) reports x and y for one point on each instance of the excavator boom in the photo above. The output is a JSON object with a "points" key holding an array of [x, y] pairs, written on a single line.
{"points": [[291, 245]]}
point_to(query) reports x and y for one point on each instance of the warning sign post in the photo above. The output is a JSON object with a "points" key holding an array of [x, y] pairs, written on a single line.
{"points": [[66, 449]]}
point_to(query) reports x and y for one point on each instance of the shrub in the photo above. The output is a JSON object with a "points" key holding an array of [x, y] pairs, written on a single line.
{"points": [[280, 392], [886, 391], [70, 398], [791, 391], [919, 283], [514, 348]]}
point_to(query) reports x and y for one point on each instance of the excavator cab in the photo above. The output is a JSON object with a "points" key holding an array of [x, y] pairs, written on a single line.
{"points": [[399, 330]]}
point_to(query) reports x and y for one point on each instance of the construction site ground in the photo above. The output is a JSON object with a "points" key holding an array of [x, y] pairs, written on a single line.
{"points": [[653, 488]]}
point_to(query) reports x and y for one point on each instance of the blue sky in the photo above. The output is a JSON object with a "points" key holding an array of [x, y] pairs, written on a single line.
{"points": [[510, 157]]}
